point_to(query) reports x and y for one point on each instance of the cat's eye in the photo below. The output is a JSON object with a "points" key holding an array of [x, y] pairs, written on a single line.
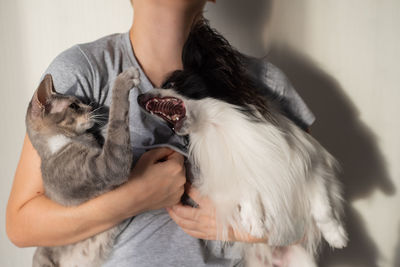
{"points": [[74, 106]]}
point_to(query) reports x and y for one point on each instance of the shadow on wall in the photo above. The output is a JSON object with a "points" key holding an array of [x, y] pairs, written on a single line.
{"points": [[340, 130], [338, 126], [241, 21], [397, 251]]}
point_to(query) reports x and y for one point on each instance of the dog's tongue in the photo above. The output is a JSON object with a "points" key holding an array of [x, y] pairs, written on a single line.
{"points": [[166, 106], [170, 109]]}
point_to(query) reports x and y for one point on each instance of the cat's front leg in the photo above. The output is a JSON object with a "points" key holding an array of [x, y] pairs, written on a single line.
{"points": [[124, 82], [114, 162]]}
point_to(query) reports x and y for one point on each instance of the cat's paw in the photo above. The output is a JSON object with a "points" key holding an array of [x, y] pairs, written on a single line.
{"points": [[128, 79]]}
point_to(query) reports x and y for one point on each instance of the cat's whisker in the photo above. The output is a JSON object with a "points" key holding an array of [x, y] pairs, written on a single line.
{"points": [[96, 109], [99, 122], [98, 118], [98, 115], [92, 113], [94, 116]]}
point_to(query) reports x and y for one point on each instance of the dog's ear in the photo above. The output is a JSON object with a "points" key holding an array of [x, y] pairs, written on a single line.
{"points": [[193, 55], [200, 47], [209, 54], [171, 81]]}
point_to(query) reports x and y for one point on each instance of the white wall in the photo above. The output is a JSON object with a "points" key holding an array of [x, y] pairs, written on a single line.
{"points": [[342, 56], [32, 33]]}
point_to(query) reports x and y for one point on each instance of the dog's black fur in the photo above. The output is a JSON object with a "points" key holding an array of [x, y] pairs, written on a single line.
{"points": [[213, 68]]}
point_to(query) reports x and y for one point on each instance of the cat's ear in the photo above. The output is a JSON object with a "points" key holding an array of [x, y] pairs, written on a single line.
{"points": [[45, 89], [42, 94]]}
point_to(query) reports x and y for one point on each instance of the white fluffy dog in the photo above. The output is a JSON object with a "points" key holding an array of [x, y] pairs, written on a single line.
{"points": [[263, 173]]}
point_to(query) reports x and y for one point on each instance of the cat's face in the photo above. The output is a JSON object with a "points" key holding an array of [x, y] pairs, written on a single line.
{"points": [[50, 112], [68, 113]]}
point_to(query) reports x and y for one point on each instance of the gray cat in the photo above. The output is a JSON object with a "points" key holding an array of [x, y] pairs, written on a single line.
{"points": [[75, 167]]}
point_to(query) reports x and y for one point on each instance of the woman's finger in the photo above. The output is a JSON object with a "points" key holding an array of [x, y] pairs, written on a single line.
{"points": [[198, 222], [195, 234], [177, 157], [186, 212], [195, 195], [158, 154], [183, 223]]}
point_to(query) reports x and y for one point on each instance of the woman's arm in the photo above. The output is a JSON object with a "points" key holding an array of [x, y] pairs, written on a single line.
{"points": [[32, 219]]}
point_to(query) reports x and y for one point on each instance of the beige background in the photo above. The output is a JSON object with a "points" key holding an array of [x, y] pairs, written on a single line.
{"points": [[342, 56]]}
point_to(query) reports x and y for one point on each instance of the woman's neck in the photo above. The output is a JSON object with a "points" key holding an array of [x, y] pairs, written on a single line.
{"points": [[158, 34]]}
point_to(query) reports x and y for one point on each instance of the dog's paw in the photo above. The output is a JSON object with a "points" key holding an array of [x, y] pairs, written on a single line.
{"points": [[128, 79], [336, 236], [340, 239], [252, 219]]}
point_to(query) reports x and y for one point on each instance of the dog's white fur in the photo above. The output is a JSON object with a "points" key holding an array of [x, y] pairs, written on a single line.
{"points": [[270, 179]]}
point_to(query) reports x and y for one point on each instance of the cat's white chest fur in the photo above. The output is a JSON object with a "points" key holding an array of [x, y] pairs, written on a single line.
{"points": [[57, 142]]}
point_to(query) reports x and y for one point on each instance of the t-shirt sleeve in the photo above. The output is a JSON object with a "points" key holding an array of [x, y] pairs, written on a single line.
{"points": [[73, 74], [280, 84], [273, 82]]}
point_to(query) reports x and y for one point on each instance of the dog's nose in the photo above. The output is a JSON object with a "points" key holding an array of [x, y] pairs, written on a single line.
{"points": [[140, 98]]}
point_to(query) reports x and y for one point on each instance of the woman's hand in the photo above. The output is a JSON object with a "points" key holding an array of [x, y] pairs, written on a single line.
{"points": [[160, 176], [200, 222]]}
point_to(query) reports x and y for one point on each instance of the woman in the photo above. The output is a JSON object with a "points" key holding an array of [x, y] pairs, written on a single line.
{"points": [[152, 238]]}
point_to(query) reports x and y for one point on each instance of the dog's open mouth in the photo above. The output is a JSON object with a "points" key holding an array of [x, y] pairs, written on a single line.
{"points": [[171, 109]]}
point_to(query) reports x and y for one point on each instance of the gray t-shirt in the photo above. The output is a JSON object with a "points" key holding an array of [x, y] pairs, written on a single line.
{"points": [[152, 238]]}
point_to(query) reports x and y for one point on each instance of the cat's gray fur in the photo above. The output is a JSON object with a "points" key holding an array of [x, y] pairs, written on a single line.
{"points": [[74, 166]]}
